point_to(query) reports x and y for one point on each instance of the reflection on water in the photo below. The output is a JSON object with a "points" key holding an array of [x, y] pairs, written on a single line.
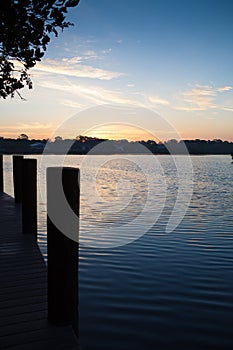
{"points": [[162, 291]]}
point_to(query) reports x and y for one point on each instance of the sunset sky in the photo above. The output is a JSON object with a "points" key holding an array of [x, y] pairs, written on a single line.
{"points": [[173, 57]]}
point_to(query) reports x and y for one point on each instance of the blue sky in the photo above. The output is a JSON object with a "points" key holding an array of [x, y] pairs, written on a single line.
{"points": [[173, 57]]}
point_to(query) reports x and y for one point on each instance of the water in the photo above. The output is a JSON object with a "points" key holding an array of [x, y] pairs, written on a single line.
{"points": [[163, 290]]}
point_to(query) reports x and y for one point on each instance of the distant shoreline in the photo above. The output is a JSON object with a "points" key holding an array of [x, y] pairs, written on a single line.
{"points": [[84, 145], [110, 154]]}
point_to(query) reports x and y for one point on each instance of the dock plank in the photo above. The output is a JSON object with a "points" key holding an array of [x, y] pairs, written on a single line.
{"points": [[23, 289]]}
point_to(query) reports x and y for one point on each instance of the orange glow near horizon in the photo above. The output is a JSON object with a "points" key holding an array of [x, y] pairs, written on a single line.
{"points": [[31, 135], [111, 132], [120, 132]]}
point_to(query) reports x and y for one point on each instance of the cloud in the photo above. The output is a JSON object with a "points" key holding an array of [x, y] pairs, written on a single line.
{"points": [[224, 88], [73, 60], [229, 109], [91, 93], [90, 55], [31, 126], [200, 91], [106, 51], [72, 67], [155, 100], [86, 55], [71, 103], [199, 98]]}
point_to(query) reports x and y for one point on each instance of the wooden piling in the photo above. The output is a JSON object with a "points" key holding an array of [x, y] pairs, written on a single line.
{"points": [[1, 173], [29, 196], [62, 245], [17, 177]]}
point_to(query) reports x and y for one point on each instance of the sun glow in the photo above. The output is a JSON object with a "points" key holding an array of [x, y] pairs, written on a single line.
{"points": [[119, 132]]}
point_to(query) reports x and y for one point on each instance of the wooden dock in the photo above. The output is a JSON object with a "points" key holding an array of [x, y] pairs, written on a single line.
{"points": [[23, 289]]}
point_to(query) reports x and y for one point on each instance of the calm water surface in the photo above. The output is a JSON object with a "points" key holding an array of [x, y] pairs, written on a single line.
{"points": [[163, 290]]}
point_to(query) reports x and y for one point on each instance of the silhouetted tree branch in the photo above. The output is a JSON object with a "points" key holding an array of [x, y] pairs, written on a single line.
{"points": [[25, 28]]}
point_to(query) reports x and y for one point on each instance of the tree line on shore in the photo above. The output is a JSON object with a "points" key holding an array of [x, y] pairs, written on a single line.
{"points": [[84, 144]]}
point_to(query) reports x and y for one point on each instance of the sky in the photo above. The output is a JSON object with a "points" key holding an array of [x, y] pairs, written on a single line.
{"points": [[171, 57]]}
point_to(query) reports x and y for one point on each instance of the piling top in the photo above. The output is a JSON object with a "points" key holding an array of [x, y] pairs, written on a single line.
{"points": [[63, 200]]}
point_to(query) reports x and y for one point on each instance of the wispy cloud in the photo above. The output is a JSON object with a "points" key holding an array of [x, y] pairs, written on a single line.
{"points": [[32, 126], [65, 60], [71, 103], [155, 100], [91, 94], [107, 51], [90, 55], [200, 98], [229, 109], [72, 67], [225, 88]]}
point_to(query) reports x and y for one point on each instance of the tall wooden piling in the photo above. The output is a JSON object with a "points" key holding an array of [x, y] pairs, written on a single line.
{"points": [[29, 196], [62, 234], [1, 173], [18, 177]]}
